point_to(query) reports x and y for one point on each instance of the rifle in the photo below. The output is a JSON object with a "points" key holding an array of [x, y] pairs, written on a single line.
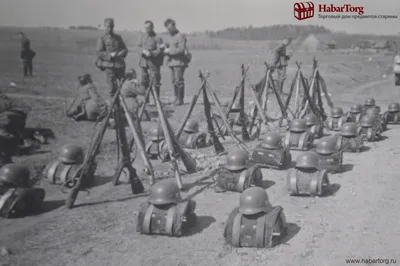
{"points": [[84, 170], [245, 133]]}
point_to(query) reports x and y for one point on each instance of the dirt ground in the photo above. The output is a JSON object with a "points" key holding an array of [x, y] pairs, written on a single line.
{"points": [[360, 219]]}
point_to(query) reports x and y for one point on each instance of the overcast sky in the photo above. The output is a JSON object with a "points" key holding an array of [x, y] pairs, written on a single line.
{"points": [[191, 15]]}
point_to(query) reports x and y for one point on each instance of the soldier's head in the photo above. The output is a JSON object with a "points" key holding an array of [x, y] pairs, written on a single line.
{"points": [[109, 25], [287, 41], [85, 79], [149, 26], [170, 25], [130, 74]]}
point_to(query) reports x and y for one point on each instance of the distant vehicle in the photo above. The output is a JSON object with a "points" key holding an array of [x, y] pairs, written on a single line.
{"points": [[396, 70]]}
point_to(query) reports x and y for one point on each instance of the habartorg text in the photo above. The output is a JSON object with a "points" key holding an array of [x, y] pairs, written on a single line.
{"points": [[371, 261], [358, 16]]}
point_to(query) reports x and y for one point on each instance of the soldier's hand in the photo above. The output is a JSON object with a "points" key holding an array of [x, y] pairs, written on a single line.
{"points": [[113, 54]]}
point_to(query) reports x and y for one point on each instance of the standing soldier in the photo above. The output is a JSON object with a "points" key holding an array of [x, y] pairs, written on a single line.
{"points": [[178, 59], [111, 52], [281, 62], [151, 58], [26, 54]]}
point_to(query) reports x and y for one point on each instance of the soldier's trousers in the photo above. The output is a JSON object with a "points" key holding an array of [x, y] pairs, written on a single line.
{"points": [[27, 67], [281, 77], [148, 74], [178, 81], [113, 75]]}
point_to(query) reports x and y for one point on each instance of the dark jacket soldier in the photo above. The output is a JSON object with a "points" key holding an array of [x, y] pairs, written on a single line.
{"points": [[26, 55], [111, 52]]}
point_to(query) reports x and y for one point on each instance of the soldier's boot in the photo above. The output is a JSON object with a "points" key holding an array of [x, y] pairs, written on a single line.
{"points": [[176, 95], [181, 94]]}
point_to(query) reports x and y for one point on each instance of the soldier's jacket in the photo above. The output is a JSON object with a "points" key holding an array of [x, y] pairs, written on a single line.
{"points": [[317, 131], [392, 117], [157, 150], [193, 140], [299, 140], [335, 123], [151, 43], [108, 44], [354, 118], [238, 181], [27, 53], [332, 163], [350, 144], [278, 159], [19, 202], [88, 105], [281, 58], [129, 91], [177, 49]]}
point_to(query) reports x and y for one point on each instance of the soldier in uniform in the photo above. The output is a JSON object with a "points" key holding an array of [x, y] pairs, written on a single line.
{"points": [[26, 55], [178, 59], [151, 58], [281, 62], [111, 52], [88, 104]]}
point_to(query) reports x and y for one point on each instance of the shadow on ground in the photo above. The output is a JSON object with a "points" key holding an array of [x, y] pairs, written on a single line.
{"points": [[202, 223]]}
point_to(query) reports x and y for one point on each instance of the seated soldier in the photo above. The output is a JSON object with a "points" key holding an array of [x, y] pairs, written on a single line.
{"points": [[336, 120], [238, 174], [17, 197], [88, 104], [392, 116], [355, 113], [191, 138], [370, 103]]}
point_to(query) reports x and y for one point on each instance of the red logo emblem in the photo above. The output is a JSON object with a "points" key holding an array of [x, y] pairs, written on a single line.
{"points": [[303, 10]]}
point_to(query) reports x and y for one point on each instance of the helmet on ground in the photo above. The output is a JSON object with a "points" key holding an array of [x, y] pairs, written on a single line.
{"points": [[349, 130], [157, 134], [356, 108], [15, 174], [370, 102], [326, 145], [308, 160], [164, 192], [394, 107], [367, 121], [311, 120], [237, 160], [337, 112], [298, 125], [273, 140], [372, 112], [254, 200], [71, 154], [236, 107], [191, 126]]}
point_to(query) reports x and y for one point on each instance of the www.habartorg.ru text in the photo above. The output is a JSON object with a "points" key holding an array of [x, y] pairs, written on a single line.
{"points": [[358, 16], [371, 261]]}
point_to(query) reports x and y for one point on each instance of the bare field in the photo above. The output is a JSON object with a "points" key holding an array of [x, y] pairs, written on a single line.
{"points": [[360, 220]]}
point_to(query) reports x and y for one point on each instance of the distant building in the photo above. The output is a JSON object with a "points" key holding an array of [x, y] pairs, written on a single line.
{"points": [[318, 42]]}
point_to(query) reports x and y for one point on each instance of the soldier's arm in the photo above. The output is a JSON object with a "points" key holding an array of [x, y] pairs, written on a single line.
{"points": [[124, 50], [180, 49], [157, 51], [101, 51]]}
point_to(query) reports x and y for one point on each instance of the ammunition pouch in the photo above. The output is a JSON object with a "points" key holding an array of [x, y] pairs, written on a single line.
{"points": [[262, 230], [332, 163], [311, 183], [169, 219], [276, 159], [301, 141], [317, 131], [19, 202], [392, 117], [238, 182]]}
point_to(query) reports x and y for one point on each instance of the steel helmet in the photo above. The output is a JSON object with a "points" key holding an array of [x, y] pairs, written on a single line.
{"points": [[372, 112], [298, 125], [349, 130], [191, 126], [308, 160], [165, 193], [15, 174], [337, 112], [394, 107], [326, 145], [157, 134], [236, 107], [356, 108], [370, 102], [254, 200], [71, 154], [237, 160], [311, 120], [273, 140], [367, 121]]}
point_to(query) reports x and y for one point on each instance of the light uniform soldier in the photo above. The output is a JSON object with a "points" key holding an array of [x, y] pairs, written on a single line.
{"points": [[281, 62], [88, 104], [130, 90], [151, 58], [191, 138], [111, 52], [178, 59]]}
